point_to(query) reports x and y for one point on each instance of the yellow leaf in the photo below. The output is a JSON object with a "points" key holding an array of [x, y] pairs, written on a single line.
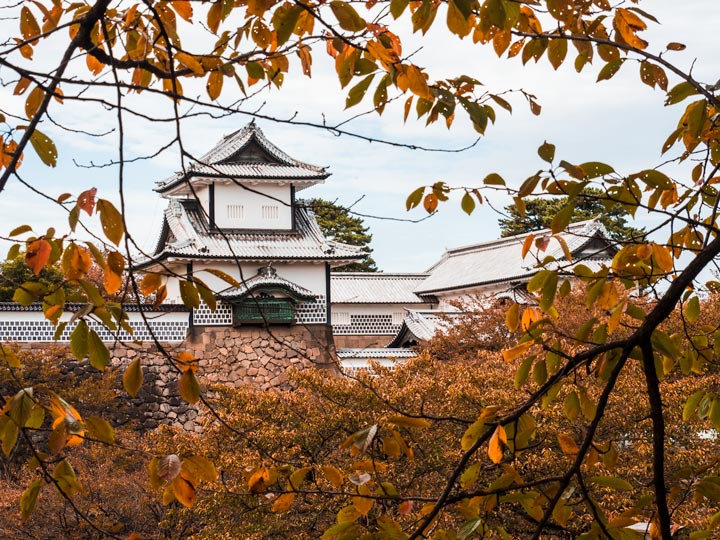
{"points": [[626, 23], [183, 8], [497, 444], [258, 480], [567, 444], [214, 84], [662, 257], [417, 82], [362, 504], [511, 354], [33, 102], [333, 475], [608, 297], [190, 62], [100, 429], [530, 316], [200, 468], [28, 24], [111, 220], [298, 477], [133, 378], [189, 387], [512, 317], [283, 502], [150, 283], [408, 422], [184, 491]]}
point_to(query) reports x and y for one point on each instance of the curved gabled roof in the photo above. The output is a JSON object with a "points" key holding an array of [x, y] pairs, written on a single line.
{"points": [[501, 260], [267, 280], [186, 234], [245, 155]]}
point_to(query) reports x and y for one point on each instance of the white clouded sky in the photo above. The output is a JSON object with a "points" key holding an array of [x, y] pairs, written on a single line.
{"points": [[621, 122]]}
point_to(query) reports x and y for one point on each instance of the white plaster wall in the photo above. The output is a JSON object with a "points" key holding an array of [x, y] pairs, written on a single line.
{"points": [[203, 195], [252, 206]]}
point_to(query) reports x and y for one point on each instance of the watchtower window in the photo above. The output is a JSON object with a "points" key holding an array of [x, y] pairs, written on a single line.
{"points": [[263, 311], [270, 212], [235, 212]]}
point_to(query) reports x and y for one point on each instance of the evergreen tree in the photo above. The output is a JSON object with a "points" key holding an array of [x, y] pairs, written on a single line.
{"points": [[590, 203], [15, 272], [337, 224]]}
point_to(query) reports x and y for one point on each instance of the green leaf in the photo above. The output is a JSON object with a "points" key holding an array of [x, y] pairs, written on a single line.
{"points": [[709, 487], [65, 479], [691, 405], [29, 292], [679, 93], [571, 407], [612, 482], [357, 92], [521, 375], [467, 203], [100, 429], [414, 198], [284, 21], [99, 354], [347, 17], [473, 433], [21, 406], [493, 179], [397, 7], [9, 436], [496, 12], [79, 340], [29, 499], [206, 294], [610, 69], [562, 218], [111, 221], [189, 387], [547, 152], [45, 148], [189, 294], [692, 309], [527, 187], [548, 291], [20, 230], [133, 378], [593, 169], [468, 528]]}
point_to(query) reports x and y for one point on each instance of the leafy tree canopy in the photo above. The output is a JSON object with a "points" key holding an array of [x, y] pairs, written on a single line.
{"points": [[14, 272], [338, 224], [591, 203]]}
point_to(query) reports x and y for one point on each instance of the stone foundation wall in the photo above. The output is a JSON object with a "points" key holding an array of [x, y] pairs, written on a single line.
{"points": [[260, 356], [361, 342], [227, 355]]}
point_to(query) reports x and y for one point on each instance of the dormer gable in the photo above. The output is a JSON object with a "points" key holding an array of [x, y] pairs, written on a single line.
{"points": [[243, 157], [245, 182]]}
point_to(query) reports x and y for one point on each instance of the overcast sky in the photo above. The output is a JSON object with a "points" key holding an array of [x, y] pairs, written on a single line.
{"points": [[621, 122]]}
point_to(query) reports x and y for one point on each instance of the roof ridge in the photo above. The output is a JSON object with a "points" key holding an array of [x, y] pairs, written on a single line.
{"points": [[571, 228], [379, 274]]}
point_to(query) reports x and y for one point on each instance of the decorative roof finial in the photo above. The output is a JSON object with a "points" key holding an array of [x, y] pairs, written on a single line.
{"points": [[267, 271]]}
